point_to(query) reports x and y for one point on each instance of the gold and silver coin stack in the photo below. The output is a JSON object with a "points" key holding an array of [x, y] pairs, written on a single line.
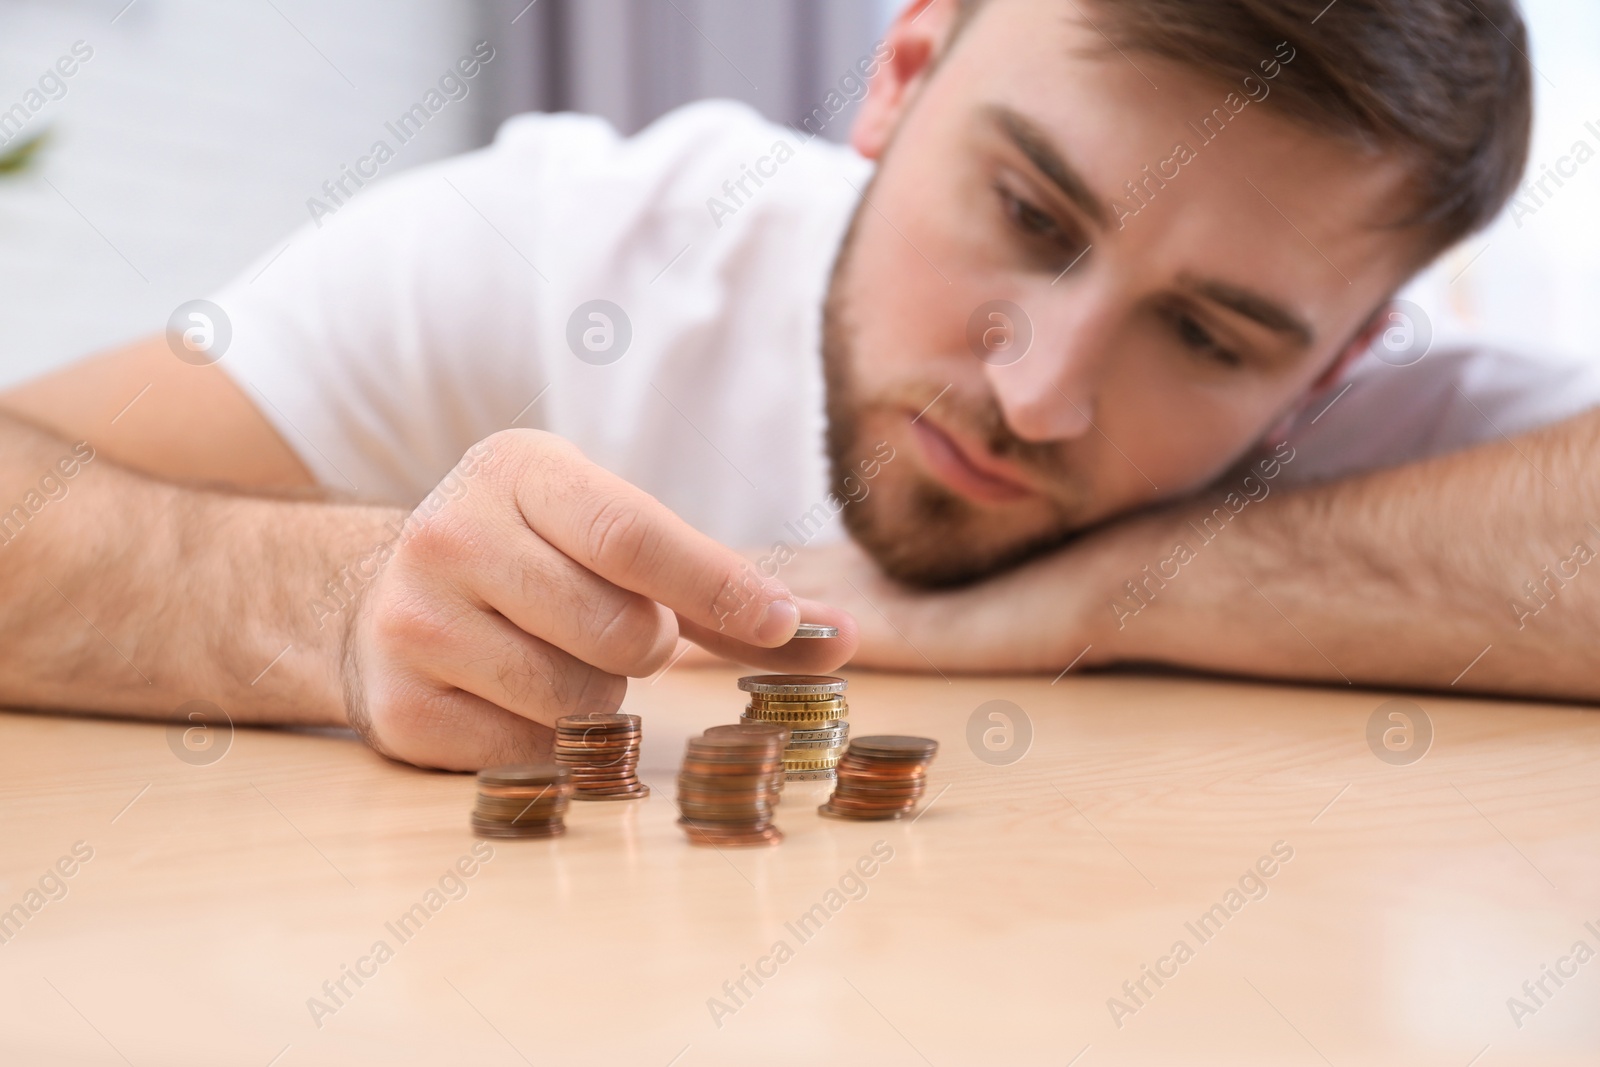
{"points": [[601, 749], [775, 730], [814, 709], [725, 790], [881, 777], [526, 800]]}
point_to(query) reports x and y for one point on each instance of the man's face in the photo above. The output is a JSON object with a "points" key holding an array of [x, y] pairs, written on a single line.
{"points": [[1164, 343]]}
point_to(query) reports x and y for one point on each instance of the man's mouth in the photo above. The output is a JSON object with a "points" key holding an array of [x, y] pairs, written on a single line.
{"points": [[969, 470]]}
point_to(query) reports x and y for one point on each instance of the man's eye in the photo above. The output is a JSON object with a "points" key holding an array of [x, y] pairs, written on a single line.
{"points": [[1198, 338], [1030, 219]]}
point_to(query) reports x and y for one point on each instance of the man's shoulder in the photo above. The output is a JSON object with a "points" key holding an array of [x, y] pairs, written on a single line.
{"points": [[697, 154]]}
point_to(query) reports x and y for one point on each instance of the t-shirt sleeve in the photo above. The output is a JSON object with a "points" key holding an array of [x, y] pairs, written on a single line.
{"points": [[402, 325], [1383, 416]]}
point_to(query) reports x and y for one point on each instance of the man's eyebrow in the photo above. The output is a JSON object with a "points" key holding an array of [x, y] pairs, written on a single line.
{"points": [[1032, 141], [1268, 312]]}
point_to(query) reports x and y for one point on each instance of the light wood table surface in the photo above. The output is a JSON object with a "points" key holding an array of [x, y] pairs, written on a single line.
{"points": [[1419, 897]]}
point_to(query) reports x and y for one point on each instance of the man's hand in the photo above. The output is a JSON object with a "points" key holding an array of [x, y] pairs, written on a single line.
{"points": [[1035, 618], [1470, 571], [529, 586]]}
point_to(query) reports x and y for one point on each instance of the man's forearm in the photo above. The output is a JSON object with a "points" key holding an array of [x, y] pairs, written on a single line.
{"points": [[127, 595], [1407, 577]]}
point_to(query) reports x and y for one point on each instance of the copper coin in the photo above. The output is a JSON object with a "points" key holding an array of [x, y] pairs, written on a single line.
{"points": [[523, 774], [722, 810], [877, 774], [489, 829], [770, 835], [874, 800], [527, 792], [637, 792], [894, 746], [725, 748], [724, 770], [864, 816], [600, 718], [516, 810]]}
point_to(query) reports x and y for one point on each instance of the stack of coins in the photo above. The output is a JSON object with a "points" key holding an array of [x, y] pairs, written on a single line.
{"points": [[602, 752], [725, 790], [758, 729], [813, 707], [528, 800], [881, 777]]}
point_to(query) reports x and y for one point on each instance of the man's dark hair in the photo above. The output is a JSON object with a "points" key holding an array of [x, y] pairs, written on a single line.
{"points": [[1444, 84]]}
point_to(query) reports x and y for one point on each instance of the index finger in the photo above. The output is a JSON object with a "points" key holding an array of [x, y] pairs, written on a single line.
{"points": [[632, 540]]}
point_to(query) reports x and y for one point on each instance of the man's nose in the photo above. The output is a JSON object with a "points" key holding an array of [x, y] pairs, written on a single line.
{"points": [[1048, 381]]}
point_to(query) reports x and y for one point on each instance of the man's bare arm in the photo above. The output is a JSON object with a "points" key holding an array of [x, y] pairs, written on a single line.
{"points": [[137, 574], [148, 411], [1402, 577], [129, 595]]}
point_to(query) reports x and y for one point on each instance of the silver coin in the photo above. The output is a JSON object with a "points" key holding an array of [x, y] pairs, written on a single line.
{"points": [[839, 734], [815, 746], [792, 684], [830, 774], [815, 629]]}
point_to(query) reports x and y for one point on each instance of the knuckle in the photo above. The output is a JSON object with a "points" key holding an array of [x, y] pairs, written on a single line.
{"points": [[594, 690], [529, 682], [407, 621], [437, 534], [629, 630], [506, 455], [616, 537]]}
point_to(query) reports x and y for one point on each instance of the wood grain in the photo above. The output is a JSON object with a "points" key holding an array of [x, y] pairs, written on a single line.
{"points": [[1418, 900]]}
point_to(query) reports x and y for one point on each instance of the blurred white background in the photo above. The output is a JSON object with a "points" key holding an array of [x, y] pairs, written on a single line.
{"points": [[190, 141]]}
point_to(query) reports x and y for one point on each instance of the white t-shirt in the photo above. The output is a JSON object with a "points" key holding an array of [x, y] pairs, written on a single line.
{"points": [[438, 307]]}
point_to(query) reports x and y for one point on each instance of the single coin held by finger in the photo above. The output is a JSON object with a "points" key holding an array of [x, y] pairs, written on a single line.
{"points": [[815, 629]]}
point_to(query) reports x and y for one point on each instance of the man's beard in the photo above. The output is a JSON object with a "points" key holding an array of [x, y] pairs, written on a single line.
{"points": [[917, 530]]}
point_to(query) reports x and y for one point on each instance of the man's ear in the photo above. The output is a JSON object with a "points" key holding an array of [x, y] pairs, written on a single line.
{"points": [[908, 53], [1354, 350]]}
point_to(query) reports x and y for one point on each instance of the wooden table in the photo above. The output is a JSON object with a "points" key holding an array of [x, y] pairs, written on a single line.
{"points": [[995, 929]]}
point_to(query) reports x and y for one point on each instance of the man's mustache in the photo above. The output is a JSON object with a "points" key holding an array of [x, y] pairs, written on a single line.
{"points": [[980, 419]]}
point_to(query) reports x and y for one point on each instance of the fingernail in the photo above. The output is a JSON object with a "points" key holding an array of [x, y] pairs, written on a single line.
{"points": [[778, 622]]}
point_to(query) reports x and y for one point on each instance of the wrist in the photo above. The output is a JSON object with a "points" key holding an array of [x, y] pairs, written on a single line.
{"points": [[318, 559], [1138, 567]]}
